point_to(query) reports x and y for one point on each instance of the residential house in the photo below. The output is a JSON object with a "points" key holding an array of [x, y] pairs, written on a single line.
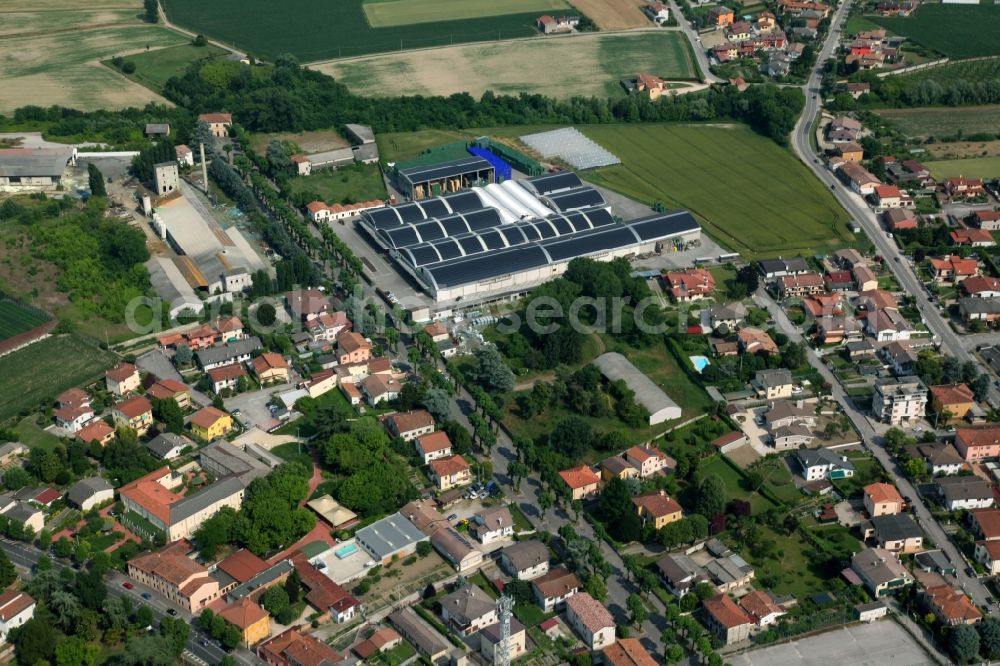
{"points": [[468, 609], [170, 389], [837, 281], [307, 304], [450, 472], [352, 348], [525, 560], [755, 341], [657, 507], [122, 379], [491, 639], [882, 499], [865, 279], [720, 16], [218, 123], [135, 412], [226, 377], [294, 648], [800, 285], [234, 352], [786, 412], [729, 314], [988, 220], [849, 151], [627, 652], [856, 90], [326, 326], [978, 444], [73, 410], [690, 285], [900, 400], [762, 608], [433, 445], [582, 481], [880, 571], [986, 310], [492, 524], [858, 178], [987, 553], [377, 389], [942, 459], [956, 400], [270, 368], [380, 642], [822, 463], [456, 549], [902, 358], [964, 188], [554, 587], [92, 491], [985, 523], [185, 156], [897, 533], [210, 423], [773, 383], [871, 611], [982, 286], [176, 576], [680, 574], [965, 492], [25, 514], [16, 608], [648, 460], [590, 620], [972, 238], [96, 431], [899, 218], [889, 196], [728, 571], [549, 25], [730, 441], [252, 621], [730, 623], [650, 85], [393, 537], [320, 383], [658, 12], [618, 467], [410, 425], [772, 269], [950, 607], [953, 269]]}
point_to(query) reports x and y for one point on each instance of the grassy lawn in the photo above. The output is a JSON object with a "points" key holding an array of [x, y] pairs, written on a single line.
{"points": [[33, 436], [521, 523], [734, 484], [290, 452], [795, 566], [350, 184], [976, 167], [965, 31], [859, 23], [154, 68], [530, 615], [41, 371], [480, 581], [924, 122], [397, 655], [16, 318], [769, 203], [778, 479]]}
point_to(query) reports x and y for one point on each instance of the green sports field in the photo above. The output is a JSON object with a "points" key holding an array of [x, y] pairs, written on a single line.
{"points": [[389, 13], [958, 31], [746, 190], [974, 167], [154, 68], [320, 29], [588, 64], [16, 318], [45, 369]]}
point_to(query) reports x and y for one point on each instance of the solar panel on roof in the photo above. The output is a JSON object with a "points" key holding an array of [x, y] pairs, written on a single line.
{"points": [[433, 207], [663, 225], [483, 219], [555, 181], [383, 218], [448, 249], [470, 244], [423, 255], [401, 236], [493, 240], [599, 217], [582, 197], [480, 267], [430, 230], [463, 201], [562, 226], [455, 225], [514, 235], [530, 232], [589, 243]]}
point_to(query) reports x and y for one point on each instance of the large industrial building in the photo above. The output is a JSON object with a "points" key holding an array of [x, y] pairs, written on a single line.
{"points": [[25, 169], [419, 182], [502, 239]]}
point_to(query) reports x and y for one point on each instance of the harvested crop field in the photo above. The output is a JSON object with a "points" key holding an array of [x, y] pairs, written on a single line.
{"points": [[26, 23], [748, 192], [938, 122], [614, 14], [58, 69], [389, 13], [587, 64]]}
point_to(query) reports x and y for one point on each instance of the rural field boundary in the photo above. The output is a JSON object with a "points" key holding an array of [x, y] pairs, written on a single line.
{"points": [[22, 340], [924, 65]]}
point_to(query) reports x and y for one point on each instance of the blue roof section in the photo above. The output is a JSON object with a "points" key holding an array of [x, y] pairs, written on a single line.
{"points": [[503, 170]]}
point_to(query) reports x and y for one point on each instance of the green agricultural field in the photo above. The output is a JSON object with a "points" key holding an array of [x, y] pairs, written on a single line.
{"points": [[924, 122], [590, 64], [351, 184], [154, 68], [747, 191], [974, 167], [17, 318], [948, 73], [320, 29], [391, 13], [958, 31], [43, 370], [29, 21]]}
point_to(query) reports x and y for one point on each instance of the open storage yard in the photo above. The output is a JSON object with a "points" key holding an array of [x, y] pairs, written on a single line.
{"points": [[320, 30], [44, 369], [745, 189], [958, 31], [938, 122], [589, 64], [388, 13], [63, 66]]}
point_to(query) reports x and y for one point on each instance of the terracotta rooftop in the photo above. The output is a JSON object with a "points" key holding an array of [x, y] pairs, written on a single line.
{"points": [[243, 613], [404, 422], [166, 388], [953, 606], [243, 565], [952, 394], [73, 396], [216, 117], [170, 563], [988, 521], [592, 613], [134, 406], [556, 583], [352, 341], [206, 417], [435, 441], [293, 646], [151, 495], [268, 361], [627, 652], [981, 436], [883, 492], [227, 372], [657, 504], [579, 477], [94, 431], [759, 604], [13, 602], [120, 372], [449, 466], [725, 611]]}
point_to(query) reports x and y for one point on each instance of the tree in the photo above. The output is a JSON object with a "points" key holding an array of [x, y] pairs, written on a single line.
{"points": [[293, 586], [596, 588], [16, 478], [144, 616], [152, 8], [963, 643], [176, 631], [636, 609], [437, 401], [674, 654], [128, 67], [278, 157], [710, 496], [231, 636], [490, 371], [35, 641], [74, 651], [276, 603], [96, 181], [7, 573], [200, 41], [619, 513], [989, 637], [65, 609], [424, 548], [266, 314], [170, 414], [981, 387]]}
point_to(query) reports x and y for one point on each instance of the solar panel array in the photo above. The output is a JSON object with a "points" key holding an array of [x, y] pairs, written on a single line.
{"points": [[571, 146]]}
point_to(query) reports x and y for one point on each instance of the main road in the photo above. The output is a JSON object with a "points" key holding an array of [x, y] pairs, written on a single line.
{"points": [[696, 45]]}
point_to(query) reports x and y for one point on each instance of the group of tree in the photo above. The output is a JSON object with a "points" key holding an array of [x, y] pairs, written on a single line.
{"points": [[585, 393], [218, 628], [287, 97], [968, 643], [156, 153], [96, 181], [935, 369], [905, 91]]}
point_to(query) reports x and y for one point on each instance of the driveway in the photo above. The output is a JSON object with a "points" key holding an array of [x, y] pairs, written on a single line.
{"points": [[253, 405], [157, 363]]}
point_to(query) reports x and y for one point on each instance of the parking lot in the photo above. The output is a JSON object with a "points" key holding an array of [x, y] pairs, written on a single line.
{"points": [[878, 644], [253, 406]]}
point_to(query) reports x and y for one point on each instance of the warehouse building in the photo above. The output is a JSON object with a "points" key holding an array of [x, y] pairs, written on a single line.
{"points": [[24, 169], [420, 182], [503, 239], [661, 408]]}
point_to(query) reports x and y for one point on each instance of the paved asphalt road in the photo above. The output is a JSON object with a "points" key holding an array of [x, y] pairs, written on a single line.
{"points": [[696, 45]]}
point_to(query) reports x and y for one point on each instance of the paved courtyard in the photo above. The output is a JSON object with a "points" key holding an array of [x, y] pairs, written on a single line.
{"points": [[882, 643]]}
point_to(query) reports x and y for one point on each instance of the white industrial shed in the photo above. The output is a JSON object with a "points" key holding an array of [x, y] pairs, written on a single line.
{"points": [[661, 408]]}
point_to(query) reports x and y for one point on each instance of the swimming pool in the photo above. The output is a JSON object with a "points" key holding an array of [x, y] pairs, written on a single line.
{"points": [[346, 551], [699, 362]]}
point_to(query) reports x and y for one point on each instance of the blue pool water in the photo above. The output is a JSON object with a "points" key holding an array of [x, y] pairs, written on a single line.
{"points": [[700, 362], [346, 551]]}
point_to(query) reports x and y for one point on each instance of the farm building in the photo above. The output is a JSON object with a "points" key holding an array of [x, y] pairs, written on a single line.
{"points": [[661, 408], [505, 238], [24, 169], [419, 182]]}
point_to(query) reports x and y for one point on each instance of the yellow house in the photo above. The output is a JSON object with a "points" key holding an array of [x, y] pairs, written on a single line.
{"points": [[209, 423], [249, 618], [658, 507], [135, 412], [956, 399], [271, 367]]}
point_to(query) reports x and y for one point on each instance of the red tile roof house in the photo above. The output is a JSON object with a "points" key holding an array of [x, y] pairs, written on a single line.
{"points": [[450, 472], [988, 220], [839, 281], [953, 269], [121, 379], [799, 285], [16, 608], [294, 648], [382, 640], [889, 196], [582, 481], [218, 123], [324, 594], [972, 238], [318, 211], [985, 523], [978, 444], [410, 425], [328, 325], [433, 446], [352, 348], [899, 218], [761, 608], [96, 431], [726, 620], [74, 410], [306, 304], [226, 376], [951, 607], [964, 188], [590, 620], [553, 588], [690, 285], [171, 389], [135, 412], [982, 287], [649, 460]]}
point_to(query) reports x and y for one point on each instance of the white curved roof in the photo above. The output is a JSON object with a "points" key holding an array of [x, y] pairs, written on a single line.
{"points": [[661, 408]]}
